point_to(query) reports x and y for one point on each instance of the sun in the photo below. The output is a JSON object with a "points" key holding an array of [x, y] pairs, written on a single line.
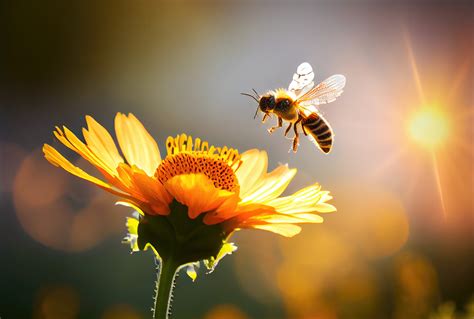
{"points": [[429, 127]]}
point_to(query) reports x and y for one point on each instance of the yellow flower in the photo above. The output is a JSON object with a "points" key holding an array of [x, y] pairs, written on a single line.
{"points": [[191, 201]]}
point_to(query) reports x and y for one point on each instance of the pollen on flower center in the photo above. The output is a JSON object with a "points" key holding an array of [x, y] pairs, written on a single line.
{"points": [[186, 156], [216, 170]]}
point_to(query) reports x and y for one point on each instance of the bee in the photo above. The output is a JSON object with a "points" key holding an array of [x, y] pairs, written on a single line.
{"points": [[298, 106]]}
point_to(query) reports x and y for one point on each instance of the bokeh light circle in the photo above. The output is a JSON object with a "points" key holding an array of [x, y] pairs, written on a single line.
{"points": [[416, 286], [374, 221], [225, 312], [314, 262], [255, 264], [60, 211], [11, 156], [121, 311], [57, 302]]}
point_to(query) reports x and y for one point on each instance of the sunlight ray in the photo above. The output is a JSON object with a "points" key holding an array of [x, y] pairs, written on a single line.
{"points": [[391, 160], [414, 67], [461, 75], [438, 183]]}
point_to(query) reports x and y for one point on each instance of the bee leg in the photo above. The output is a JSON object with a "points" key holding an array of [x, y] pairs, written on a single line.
{"points": [[296, 139], [296, 142], [273, 128], [265, 117], [288, 129]]}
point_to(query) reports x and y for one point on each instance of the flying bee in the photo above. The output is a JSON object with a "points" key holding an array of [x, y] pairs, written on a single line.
{"points": [[298, 106]]}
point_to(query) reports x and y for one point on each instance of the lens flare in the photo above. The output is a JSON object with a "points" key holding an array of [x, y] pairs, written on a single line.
{"points": [[57, 302], [225, 312], [120, 311], [429, 127], [417, 288]]}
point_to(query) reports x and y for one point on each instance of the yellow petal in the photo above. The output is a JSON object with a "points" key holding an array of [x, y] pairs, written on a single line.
{"points": [[252, 169], [307, 200], [287, 219], [197, 192], [271, 185], [145, 189], [243, 215], [55, 158], [137, 145], [101, 143], [287, 230], [226, 210], [325, 208], [131, 205], [70, 140]]}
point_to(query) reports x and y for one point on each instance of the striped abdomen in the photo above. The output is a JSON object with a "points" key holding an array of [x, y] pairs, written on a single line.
{"points": [[319, 131]]}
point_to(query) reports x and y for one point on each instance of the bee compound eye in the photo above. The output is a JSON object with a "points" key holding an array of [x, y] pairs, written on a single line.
{"points": [[267, 103]]}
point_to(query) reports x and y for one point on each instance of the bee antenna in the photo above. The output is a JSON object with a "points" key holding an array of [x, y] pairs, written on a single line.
{"points": [[253, 97], [256, 112], [256, 98]]}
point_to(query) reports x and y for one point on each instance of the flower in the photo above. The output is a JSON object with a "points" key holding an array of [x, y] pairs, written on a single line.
{"points": [[190, 202]]}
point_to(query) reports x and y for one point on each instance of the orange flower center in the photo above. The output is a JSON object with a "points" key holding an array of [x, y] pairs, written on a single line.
{"points": [[217, 170], [193, 156]]}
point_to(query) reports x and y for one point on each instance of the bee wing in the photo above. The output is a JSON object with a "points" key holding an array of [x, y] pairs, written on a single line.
{"points": [[302, 80], [325, 92], [307, 109]]}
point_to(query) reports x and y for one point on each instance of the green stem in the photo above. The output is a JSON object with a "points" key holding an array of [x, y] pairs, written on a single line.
{"points": [[164, 287]]}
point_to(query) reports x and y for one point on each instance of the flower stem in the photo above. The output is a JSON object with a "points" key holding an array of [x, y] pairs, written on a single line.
{"points": [[164, 287]]}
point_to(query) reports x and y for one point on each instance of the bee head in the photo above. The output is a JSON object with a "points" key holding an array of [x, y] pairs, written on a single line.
{"points": [[267, 103]]}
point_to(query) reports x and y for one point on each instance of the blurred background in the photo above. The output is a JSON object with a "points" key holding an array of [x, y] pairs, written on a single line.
{"points": [[401, 171]]}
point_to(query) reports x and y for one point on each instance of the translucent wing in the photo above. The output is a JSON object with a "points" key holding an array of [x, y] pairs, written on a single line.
{"points": [[325, 92], [307, 110], [302, 79]]}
